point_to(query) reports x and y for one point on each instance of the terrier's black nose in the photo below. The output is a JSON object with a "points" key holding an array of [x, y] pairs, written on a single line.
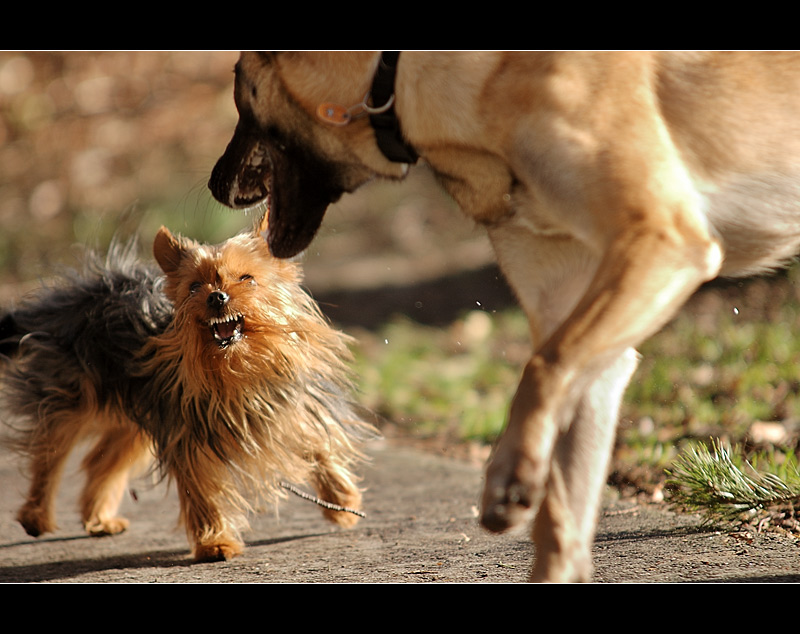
{"points": [[217, 299]]}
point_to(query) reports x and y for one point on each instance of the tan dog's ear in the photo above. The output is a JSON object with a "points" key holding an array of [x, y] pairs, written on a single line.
{"points": [[167, 250]]}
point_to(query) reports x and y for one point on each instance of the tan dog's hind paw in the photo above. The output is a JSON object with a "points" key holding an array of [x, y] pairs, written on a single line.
{"points": [[562, 569]]}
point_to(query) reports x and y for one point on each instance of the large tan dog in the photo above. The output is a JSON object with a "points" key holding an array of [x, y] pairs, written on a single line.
{"points": [[611, 185]]}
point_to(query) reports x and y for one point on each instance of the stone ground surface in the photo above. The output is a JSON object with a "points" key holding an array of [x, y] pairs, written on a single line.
{"points": [[420, 527]]}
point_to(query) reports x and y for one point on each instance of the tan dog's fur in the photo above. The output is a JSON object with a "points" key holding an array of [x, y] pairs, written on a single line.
{"points": [[611, 185]]}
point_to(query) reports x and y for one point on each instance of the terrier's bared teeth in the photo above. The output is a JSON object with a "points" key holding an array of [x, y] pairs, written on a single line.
{"points": [[227, 330], [222, 320]]}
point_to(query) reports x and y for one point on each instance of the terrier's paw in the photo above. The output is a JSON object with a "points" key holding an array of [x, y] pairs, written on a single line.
{"points": [[36, 520], [218, 551], [342, 518], [111, 526], [346, 498]]}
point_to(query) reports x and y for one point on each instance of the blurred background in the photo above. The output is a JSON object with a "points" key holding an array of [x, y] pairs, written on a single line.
{"points": [[98, 144], [94, 144]]}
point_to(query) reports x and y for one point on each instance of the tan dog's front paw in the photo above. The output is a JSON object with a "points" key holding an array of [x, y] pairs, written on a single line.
{"points": [[512, 493], [504, 509]]}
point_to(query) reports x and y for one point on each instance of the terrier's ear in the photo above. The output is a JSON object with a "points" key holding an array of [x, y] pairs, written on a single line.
{"points": [[261, 228], [168, 251]]}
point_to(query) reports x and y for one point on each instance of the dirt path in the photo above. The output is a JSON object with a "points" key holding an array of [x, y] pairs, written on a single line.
{"points": [[420, 528]]}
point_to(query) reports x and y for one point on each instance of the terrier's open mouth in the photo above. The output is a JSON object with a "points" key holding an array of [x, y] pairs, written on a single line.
{"points": [[227, 330]]}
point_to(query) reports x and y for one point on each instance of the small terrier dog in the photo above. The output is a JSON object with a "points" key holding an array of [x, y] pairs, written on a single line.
{"points": [[224, 369]]}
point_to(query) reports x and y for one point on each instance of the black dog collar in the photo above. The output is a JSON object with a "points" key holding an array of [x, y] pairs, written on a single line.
{"points": [[385, 123]]}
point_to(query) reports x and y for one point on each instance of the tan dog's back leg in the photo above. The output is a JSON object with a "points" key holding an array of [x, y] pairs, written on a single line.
{"points": [[565, 525], [120, 453]]}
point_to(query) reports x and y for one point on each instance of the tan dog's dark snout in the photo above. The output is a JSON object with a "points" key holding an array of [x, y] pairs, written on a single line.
{"points": [[295, 187], [241, 177]]}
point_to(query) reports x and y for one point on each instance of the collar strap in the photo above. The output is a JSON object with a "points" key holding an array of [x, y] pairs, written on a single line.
{"points": [[385, 123]]}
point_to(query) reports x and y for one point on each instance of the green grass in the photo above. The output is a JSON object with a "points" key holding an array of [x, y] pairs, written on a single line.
{"points": [[714, 378], [711, 375], [457, 380]]}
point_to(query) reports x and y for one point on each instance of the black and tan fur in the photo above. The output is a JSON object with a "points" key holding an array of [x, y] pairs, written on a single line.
{"points": [[219, 365]]}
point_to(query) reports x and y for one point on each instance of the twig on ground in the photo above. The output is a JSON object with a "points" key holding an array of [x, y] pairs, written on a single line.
{"points": [[316, 500]]}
